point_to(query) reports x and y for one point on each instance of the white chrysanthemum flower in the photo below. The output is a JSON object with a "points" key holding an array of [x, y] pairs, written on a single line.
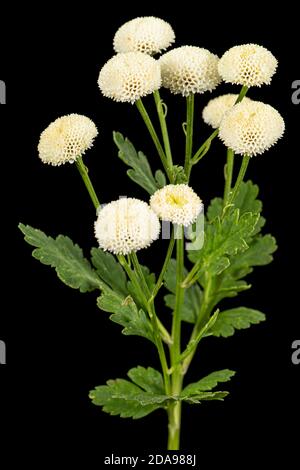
{"points": [[66, 139], [189, 69], [249, 65], [176, 203], [147, 34], [216, 108], [129, 76], [126, 226], [251, 127]]}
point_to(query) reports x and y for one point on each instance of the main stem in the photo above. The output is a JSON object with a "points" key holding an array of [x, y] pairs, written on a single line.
{"points": [[190, 102], [88, 184], [174, 410]]}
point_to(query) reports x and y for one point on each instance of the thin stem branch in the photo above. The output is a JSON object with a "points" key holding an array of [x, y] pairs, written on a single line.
{"points": [[153, 318], [165, 267], [228, 175], [190, 104], [146, 118], [204, 312], [204, 147], [240, 177], [164, 129], [86, 179], [242, 94], [193, 343], [190, 278]]}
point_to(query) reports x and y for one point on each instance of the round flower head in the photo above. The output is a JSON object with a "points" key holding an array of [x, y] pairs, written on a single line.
{"points": [[148, 34], [189, 69], [249, 65], [216, 108], [129, 76], [66, 139], [126, 226], [251, 127], [176, 203]]}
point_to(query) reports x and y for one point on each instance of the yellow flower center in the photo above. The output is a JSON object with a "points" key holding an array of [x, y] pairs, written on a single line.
{"points": [[176, 200]]}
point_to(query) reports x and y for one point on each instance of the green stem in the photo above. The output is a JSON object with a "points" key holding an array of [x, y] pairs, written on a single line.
{"points": [[242, 94], [164, 129], [146, 118], [190, 104], [190, 278], [240, 177], [228, 175], [164, 268], [174, 409], [204, 147], [204, 313], [140, 273], [163, 331], [86, 179], [153, 317], [193, 343]]}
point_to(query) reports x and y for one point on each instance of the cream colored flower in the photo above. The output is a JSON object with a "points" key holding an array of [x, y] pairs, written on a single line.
{"points": [[216, 108], [251, 127], [147, 34], [66, 139], [129, 76], [188, 69], [176, 203], [126, 226], [249, 65]]}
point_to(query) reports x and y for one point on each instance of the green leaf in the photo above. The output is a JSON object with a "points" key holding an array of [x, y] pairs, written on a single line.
{"points": [[109, 270], [121, 397], [215, 209], [125, 313], [160, 179], [208, 383], [65, 256], [223, 238], [140, 171], [132, 400], [192, 297], [236, 319], [199, 397], [259, 253], [246, 199], [148, 379]]}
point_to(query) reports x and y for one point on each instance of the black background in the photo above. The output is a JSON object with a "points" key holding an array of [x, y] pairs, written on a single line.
{"points": [[59, 345]]}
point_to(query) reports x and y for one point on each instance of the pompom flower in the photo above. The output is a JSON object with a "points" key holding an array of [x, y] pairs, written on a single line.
{"points": [[189, 69], [249, 65], [148, 34], [126, 226], [176, 203], [66, 139], [251, 127], [129, 76], [216, 108]]}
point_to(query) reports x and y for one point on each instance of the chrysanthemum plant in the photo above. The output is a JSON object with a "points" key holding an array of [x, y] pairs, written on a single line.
{"points": [[196, 274]]}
